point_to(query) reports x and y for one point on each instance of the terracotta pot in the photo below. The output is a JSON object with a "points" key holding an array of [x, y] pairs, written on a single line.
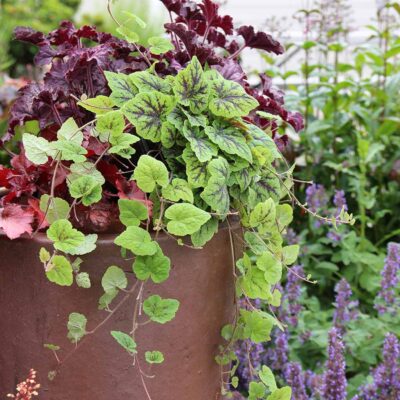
{"points": [[34, 311]]}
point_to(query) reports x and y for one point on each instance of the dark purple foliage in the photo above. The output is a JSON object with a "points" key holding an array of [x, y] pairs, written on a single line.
{"points": [[75, 69], [259, 40]]}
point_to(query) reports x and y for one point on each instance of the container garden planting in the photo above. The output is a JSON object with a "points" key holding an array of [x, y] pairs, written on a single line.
{"points": [[149, 185]]}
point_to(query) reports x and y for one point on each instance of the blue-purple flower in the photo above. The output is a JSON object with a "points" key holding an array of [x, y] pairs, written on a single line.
{"points": [[339, 200], [386, 300], [345, 309], [334, 385], [316, 197], [295, 378]]}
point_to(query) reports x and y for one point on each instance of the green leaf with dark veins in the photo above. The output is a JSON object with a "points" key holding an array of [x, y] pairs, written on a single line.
{"points": [[268, 186], [263, 216], [122, 87], [122, 145], [216, 195], [155, 267], [149, 173], [125, 341], [160, 310], [177, 190], [199, 120], [110, 125], [97, 105], [169, 135], [256, 244], [114, 278], [76, 327], [230, 100], [185, 219], [199, 143], [195, 170], [137, 240], [87, 189], [229, 139], [260, 138], [177, 118], [59, 271], [191, 88], [147, 82], [219, 168], [64, 236], [205, 233], [147, 112], [131, 212]]}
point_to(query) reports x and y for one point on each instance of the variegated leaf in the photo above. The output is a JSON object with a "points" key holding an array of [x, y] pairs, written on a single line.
{"points": [[147, 112], [191, 87], [229, 139]]}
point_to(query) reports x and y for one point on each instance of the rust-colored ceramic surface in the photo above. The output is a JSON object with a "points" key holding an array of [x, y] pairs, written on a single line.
{"points": [[33, 312]]}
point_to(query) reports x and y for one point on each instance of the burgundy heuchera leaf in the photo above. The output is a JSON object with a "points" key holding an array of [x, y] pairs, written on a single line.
{"points": [[15, 221]]}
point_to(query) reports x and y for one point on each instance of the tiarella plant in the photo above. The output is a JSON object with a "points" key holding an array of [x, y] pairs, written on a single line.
{"points": [[169, 140]]}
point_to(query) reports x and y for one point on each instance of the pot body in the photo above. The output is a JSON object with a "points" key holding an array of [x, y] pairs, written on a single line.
{"points": [[34, 311]]}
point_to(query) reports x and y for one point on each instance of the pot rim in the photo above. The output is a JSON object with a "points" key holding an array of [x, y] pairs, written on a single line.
{"points": [[41, 237]]}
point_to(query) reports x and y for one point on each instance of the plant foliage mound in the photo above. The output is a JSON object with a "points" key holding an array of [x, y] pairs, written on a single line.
{"points": [[166, 139]]}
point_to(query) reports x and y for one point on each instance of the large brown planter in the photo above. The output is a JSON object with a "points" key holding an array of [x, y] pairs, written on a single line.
{"points": [[33, 312]]}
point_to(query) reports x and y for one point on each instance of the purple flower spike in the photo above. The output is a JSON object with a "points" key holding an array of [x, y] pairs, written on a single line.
{"points": [[295, 378], [346, 310], [316, 197], [335, 383], [386, 300], [387, 375], [292, 295], [277, 356], [339, 200]]}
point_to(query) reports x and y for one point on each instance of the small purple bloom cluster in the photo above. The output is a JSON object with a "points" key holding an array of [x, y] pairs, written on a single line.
{"points": [[345, 309], [335, 383], [386, 377], [294, 376], [316, 197], [386, 300]]}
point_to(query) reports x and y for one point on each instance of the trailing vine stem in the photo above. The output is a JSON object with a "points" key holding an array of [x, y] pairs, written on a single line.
{"points": [[63, 361], [119, 24], [333, 220]]}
